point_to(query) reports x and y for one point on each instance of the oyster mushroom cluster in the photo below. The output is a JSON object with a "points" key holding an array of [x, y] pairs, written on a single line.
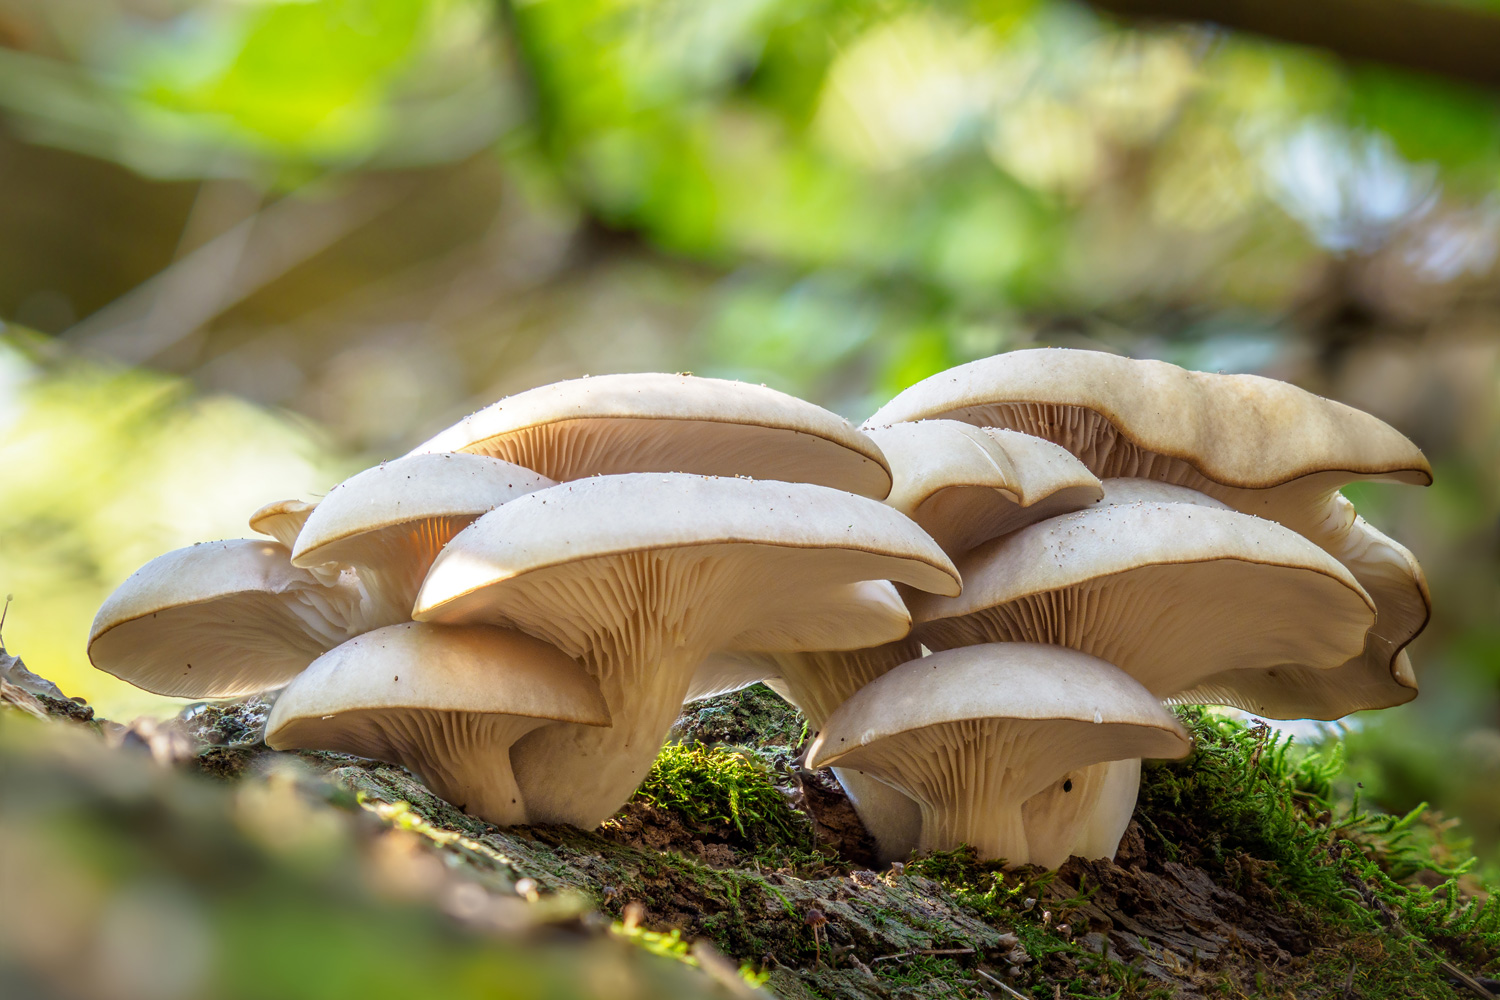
{"points": [[1129, 534], [981, 600]]}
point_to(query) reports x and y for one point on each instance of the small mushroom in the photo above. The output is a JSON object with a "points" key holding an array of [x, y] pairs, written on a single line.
{"points": [[219, 620], [654, 422], [965, 485], [972, 733], [445, 701], [641, 577], [283, 521], [389, 522], [1262, 446]]}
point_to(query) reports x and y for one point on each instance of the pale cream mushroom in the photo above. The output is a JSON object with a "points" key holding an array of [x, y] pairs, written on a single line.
{"points": [[388, 523], [965, 485], [972, 733], [444, 701], [219, 619], [641, 577], [653, 422], [1170, 593], [1262, 446], [282, 520], [1083, 814]]}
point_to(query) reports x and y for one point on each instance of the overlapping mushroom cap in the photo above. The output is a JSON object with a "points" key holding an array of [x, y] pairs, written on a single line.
{"points": [[972, 733], [219, 619], [653, 422], [965, 485], [445, 701], [641, 576], [388, 523], [1169, 592], [1262, 446]]}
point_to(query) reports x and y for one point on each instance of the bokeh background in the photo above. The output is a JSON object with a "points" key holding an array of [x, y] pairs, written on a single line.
{"points": [[249, 246]]}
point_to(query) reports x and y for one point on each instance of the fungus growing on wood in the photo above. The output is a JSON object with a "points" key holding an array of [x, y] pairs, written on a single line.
{"points": [[388, 523], [641, 577], [965, 485], [444, 701], [653, 422], [972, 733], [219, 619], [1262, 446]]}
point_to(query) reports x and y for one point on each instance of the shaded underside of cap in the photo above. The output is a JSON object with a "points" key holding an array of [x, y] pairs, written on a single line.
{"points": [[1291, 691], [218, 619], [653, 422], [1125, 417]]}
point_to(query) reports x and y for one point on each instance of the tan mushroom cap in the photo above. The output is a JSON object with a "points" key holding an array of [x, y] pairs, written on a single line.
{"points": [[1262, 446], [1171, 593], [389, 522], [282, 520], [654, 422], [1126, 417], [445, 701], [642, 576], [971, 734], [965, 485], [217, 620]]}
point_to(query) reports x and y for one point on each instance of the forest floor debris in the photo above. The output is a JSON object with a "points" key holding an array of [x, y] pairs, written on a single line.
{"points": [[1240, 877]]}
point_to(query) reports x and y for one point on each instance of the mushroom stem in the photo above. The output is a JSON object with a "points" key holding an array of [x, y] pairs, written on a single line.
{"points": [[567, 770]]}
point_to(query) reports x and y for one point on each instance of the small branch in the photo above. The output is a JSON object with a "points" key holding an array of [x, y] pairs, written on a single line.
{"points": [[1003, 986], [1440, 39], [925, 951]]}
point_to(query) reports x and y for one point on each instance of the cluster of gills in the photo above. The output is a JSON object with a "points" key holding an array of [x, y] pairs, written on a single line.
{"points": [[981, 600]]}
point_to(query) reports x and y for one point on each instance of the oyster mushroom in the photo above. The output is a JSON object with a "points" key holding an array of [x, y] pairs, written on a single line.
{"points": [[972, 733], [218, 620], [389, 522], [1262, 446], [653, 422], [642, 576], [965, 485], [445, 701]]}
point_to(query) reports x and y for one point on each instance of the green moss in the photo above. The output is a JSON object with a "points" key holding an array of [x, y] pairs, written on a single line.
{"points": [[754, 716], [719, 786]]}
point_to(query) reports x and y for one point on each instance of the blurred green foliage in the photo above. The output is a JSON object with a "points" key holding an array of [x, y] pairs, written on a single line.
{"points": [[336, 224]]}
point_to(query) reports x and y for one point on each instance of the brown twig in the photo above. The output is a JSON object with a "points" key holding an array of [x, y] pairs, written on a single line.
{"points": [[1003, 986], [924, 951]]}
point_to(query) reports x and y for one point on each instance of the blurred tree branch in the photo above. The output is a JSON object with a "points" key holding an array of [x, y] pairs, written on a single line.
{"points": [[1459, 43]]}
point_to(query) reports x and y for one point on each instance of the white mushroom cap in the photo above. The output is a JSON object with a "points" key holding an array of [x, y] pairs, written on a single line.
{"points": [[389, 522], [653, 422], [1145, 419], [445, 701], [1171, 593], [217, 620], [641, 576], [965, 485], [1262, 446], [971, 734]]}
